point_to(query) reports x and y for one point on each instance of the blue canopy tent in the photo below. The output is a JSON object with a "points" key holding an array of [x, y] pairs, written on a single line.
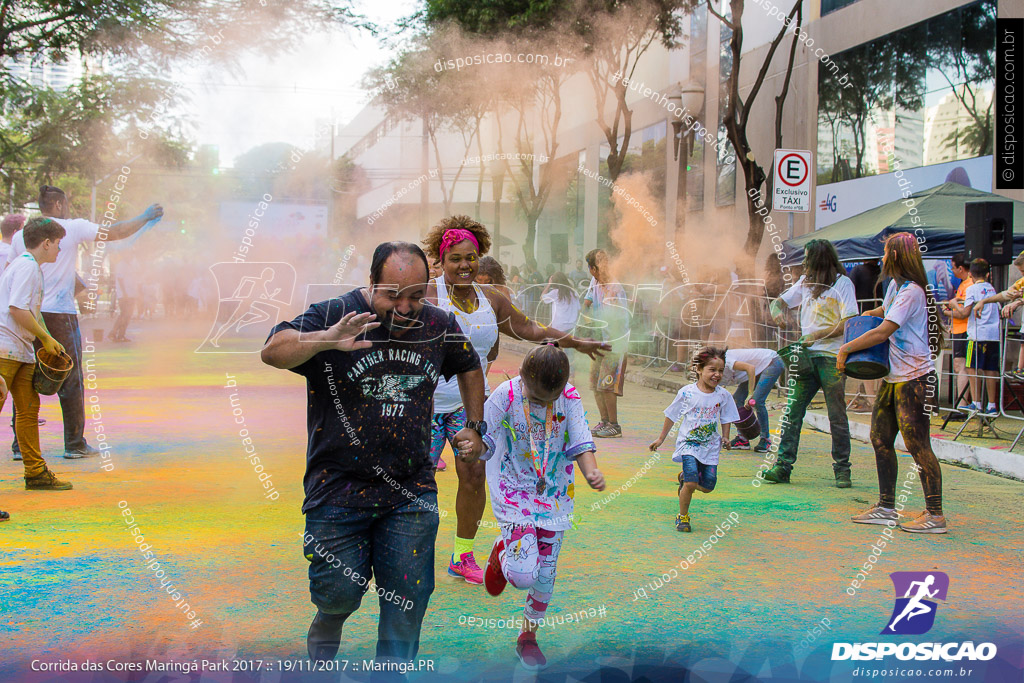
{"points": [[939, 216]]}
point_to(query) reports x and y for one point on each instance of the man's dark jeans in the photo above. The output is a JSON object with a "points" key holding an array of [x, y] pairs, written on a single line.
{"points": [[345, 546], [64, 328]]}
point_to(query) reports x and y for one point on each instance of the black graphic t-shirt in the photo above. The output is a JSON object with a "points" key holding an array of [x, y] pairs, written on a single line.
{"points": [[369, 410]]}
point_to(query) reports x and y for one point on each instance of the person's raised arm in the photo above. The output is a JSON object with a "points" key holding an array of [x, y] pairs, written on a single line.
{"points": [[290, 348], [130, 226], [514, 323]]}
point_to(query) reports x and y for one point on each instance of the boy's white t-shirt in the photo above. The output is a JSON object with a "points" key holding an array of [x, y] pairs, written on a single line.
{"points": [[511, 474], [759, 358], [698, 416], [985, 328], [59, 276], [835, 304], [909, 355], [21, 286]]}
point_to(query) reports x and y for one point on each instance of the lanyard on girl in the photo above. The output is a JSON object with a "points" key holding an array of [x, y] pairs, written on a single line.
{"points": [[548, 430]]}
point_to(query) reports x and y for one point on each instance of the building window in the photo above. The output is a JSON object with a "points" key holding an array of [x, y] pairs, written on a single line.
{"points": [[694, 148], [832, 5], [725, 178], [919, 96]]}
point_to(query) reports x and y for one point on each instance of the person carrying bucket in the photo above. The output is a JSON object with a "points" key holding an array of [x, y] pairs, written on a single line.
{"points": [[914, 335], [755, 371], [826, 298], [21, 297]]}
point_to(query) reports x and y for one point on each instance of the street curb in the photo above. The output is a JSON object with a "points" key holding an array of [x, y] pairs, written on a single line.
{"points": [[988, 460]]}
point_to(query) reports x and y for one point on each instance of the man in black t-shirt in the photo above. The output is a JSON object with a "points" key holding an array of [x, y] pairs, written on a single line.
{"points": [[371, 499]]}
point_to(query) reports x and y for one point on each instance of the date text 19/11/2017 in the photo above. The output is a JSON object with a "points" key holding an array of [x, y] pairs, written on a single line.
{"points": [[287, 665]]}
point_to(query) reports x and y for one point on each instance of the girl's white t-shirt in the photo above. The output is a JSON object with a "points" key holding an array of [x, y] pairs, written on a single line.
{"points": [[563, 313], [698, 416], [835, 304], [759, 358], [511, 474], [909, 355]]}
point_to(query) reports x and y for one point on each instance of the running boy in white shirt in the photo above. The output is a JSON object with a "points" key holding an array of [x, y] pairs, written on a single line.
{"points": [[702, 407]]}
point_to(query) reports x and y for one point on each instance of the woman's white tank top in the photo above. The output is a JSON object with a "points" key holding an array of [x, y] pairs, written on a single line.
{"points": [[481, 326]]}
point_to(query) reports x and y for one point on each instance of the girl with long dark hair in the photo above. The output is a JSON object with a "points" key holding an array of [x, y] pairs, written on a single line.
{"points": [[826, 298]]}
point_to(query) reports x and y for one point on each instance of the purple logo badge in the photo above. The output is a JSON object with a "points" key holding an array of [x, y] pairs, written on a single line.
{"points": [[916, 593]]}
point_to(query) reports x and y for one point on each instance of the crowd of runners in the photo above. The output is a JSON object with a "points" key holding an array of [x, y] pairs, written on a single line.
{"points": [[412, 349]]}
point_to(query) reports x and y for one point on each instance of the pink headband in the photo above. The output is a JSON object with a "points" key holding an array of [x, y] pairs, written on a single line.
{"points": [[454, 236]]}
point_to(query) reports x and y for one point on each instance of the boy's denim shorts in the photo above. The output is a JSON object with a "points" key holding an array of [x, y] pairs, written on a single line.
{"points": [[696, 471]]}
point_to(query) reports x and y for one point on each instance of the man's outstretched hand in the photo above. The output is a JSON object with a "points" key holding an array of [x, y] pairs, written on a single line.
{"points": [[351, 325]]}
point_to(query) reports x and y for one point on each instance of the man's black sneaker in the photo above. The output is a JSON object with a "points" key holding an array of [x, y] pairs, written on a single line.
{"points": [[683, 523], [324, 637], [86, 452], [843, 480]]}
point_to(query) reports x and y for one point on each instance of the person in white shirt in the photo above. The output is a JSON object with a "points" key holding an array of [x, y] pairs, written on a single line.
{"points": [[11, 224], [21, 296], [58, 307], [701, 409], [565, 309], [910, 390], [826, 298], [982, 337], [755, 371]]}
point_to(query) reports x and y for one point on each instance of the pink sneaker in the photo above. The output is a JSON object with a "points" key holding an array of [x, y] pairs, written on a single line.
{"points": [[529, 652], [467, 568]]}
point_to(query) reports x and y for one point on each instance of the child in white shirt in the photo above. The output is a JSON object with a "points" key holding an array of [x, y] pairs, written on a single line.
{"points": [[702, 407]]}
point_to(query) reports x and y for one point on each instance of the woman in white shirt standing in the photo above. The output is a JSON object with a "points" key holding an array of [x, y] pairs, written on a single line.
{"points": [[913, 331], [565, 309], [826, 298]]}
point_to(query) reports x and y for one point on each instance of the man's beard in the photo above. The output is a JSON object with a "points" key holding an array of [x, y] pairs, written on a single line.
{"points": [[400, 323]]}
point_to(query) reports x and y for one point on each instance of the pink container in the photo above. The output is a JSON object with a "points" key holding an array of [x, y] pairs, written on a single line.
{"points": [[748, 426]]}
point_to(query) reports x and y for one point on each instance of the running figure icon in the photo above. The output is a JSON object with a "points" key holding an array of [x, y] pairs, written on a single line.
{"points": [[915, 607]]}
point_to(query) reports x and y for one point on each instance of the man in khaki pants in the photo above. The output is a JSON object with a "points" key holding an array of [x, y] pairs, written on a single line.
{"points": [[21, 297]]}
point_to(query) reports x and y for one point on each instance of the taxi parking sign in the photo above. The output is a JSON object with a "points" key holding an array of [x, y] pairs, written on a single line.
{"points": [[792, 187]]}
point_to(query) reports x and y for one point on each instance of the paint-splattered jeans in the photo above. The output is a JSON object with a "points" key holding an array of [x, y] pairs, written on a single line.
{"points": [[530, 562], [802, 388], [346, 545], [901, 407]]}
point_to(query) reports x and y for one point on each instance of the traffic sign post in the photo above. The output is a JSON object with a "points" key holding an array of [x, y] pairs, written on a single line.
{"points": [[792, 186]]}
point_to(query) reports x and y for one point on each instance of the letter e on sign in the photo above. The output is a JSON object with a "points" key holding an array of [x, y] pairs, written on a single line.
{"points": [[792, 188]]}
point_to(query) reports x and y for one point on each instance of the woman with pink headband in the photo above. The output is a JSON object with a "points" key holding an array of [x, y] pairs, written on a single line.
{"points": [[482, 312]]}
